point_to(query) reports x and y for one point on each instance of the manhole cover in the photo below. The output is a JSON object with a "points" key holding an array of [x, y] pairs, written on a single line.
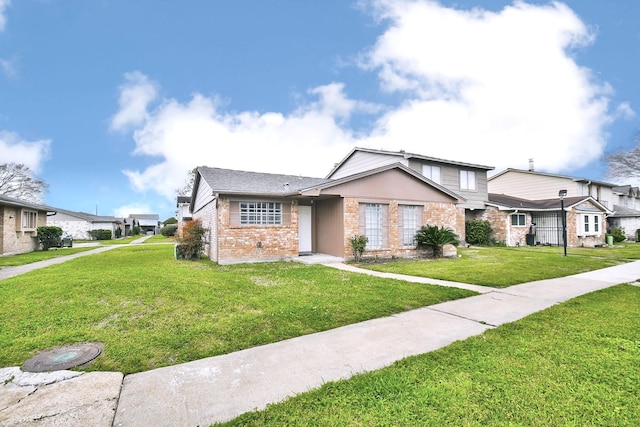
{"points": [[62, 358]]}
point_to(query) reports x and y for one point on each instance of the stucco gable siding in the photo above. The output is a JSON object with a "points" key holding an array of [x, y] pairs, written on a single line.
{"points": [[362, 161], [391, 184]]}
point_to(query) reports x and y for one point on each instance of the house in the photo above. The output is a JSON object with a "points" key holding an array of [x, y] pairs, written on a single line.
{"points": [[148, 223], [80, 224], [626, 212], [621, 202], [516, 221], [19, 225], [183, 215], [465, 179], [254, 216], [532, 185]]}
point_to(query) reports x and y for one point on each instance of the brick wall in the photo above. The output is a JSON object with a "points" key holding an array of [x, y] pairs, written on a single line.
{"points": [[251, 243], [440, 214], [17, 242]]}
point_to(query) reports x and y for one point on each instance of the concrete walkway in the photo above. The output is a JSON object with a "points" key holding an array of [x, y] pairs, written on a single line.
{"points": [[220, 388]]}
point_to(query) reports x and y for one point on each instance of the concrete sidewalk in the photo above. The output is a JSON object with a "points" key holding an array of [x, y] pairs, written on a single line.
{"points": [[220, 388]]}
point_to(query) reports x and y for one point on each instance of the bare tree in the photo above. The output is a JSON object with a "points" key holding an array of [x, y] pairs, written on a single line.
{"points": [[19, 182], [188, 184], [625, 163]]}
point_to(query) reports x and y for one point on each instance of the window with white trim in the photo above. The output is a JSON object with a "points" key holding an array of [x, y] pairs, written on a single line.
{"points": [[29, 220], [518, 220], [410, 222], [588, 225], [260, 213], [431, 172], [373, 222], [467, 180]]}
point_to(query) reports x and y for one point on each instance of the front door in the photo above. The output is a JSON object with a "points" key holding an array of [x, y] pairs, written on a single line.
{"points": [[304, 229]]}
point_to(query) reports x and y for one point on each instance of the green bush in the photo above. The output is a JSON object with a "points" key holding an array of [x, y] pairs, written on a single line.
{"points": [[618, 234], [478, 232], [434, 237], [49, 236], [100, 234], [358, 245], [169, 230], [191, 244], [118, 233]]}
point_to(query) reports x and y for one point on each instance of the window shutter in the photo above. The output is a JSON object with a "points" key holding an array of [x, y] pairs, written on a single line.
{"points": [[385, 226], [234, 213]]}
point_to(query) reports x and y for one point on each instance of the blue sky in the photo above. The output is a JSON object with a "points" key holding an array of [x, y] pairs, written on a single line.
{"points": [[112, 102]]}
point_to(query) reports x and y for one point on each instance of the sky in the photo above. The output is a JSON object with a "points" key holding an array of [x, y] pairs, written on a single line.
{"points": [[113, 102]]}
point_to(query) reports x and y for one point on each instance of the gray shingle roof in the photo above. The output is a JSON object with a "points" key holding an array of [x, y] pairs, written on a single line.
{"points": [[234, 181], [545, 204], [622, 212], [17, 202]]}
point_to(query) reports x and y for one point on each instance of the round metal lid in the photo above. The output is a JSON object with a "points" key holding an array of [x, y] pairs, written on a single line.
{"points": [[62, 358]]}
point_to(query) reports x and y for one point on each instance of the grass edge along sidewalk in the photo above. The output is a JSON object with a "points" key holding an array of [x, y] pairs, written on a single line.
{"points": [[537, 371]]}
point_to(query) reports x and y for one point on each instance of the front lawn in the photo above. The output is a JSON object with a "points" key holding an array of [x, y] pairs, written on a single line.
{"points": [[150, 310], [502, 267], [29, 257], [581, 370]]}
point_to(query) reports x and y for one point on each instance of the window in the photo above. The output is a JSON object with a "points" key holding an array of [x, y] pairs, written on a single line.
{"points": [[467, 180], [29, 220], [409, 222], [373, 225], [431, 172], [260, 213], [373, 222], [588, 225], [519, 220]]}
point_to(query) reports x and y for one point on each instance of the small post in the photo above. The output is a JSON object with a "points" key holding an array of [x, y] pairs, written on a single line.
{"points": [[562, 195]]}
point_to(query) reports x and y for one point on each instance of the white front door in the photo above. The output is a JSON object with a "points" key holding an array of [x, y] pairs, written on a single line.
{"points": [[304, 229]]}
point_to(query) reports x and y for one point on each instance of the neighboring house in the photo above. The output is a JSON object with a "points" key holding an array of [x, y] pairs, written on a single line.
{"points": [[626, 211], [464, 179], [79, 224], [148, 223], [513, 218], [263, 217], [532, 185], [19, 225], [622, 202], [183, 215]]}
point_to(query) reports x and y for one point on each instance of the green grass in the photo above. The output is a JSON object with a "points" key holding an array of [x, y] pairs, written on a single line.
{"points": [[28, 258], [502, 267], [150, 310], [574, 364], [159, 238]]}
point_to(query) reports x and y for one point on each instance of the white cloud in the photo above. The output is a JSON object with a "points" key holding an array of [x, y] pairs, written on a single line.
{"points": [[8, 68], [494, 88], [14, 149], [489, 87], [135, 96], [3, 19], [197, 133], [132, 208]]}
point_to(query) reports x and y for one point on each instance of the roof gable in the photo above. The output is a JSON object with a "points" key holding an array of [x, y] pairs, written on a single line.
{"points": [[404, 155], [510, 202], [391, 181]]}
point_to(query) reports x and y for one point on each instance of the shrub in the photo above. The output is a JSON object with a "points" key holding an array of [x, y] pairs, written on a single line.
{"points": [[135, 230], [478, 232], [358, 245], [49, 236], [169, 230], [100, 234], [434, 237], [118, 233], [191, 242], [618, 234]]}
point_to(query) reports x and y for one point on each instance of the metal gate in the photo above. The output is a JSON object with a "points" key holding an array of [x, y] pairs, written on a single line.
{"points": [[548, 228]]}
